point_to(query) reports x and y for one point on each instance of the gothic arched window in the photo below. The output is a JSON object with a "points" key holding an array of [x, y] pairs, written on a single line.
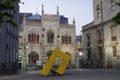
{"points": [[33, 37], [50, 37], [33, 57], [69, 39], [66, 39]]}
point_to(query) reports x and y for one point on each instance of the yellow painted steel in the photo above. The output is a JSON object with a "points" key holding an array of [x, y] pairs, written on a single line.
{"points": [[50, 62]]}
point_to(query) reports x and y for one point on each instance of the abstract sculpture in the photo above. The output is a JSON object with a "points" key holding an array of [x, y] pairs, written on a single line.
{"points": [[50, 62]]}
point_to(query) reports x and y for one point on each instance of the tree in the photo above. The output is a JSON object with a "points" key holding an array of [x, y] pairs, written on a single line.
{"points": [[116, 19], [5, 16]]}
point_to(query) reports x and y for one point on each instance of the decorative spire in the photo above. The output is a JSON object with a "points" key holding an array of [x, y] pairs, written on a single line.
{"points": [[42, 9], [36, 10], [57, 10], [73, 20]]}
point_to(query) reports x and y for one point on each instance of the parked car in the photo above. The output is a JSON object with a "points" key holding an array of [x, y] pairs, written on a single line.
{"points": [[32, 67]]}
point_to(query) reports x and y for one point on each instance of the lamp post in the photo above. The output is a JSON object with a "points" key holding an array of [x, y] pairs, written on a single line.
{"points": [[59, 60], [102, 26], [25, 46], [80, 59], [44, 58]]}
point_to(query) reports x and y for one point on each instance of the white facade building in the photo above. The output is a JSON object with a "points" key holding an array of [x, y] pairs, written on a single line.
{"points": [[42, 33], [104, 40]]}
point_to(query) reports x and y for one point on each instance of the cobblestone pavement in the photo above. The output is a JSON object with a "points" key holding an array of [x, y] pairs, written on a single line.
{"points": [[73, 74]]}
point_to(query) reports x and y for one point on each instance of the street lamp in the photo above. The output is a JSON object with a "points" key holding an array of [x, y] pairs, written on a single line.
{"points": [[80, 53], [44, 57], [25, 46], [21, 2], [80, 59]]}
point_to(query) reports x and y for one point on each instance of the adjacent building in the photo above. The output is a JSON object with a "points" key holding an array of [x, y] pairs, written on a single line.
{"points": [[40, 34], [9, 45], [101, 37]]}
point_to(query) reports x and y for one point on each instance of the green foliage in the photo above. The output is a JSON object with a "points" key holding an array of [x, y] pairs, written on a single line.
{"points": [[5, 16], [118, 4], [116, 19], [7, 4]]}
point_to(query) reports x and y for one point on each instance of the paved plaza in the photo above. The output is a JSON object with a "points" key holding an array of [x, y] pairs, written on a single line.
{"points": [[74, 74]]}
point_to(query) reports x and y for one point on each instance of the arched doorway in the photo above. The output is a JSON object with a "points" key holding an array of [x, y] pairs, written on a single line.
{"points": [[32, 58]]}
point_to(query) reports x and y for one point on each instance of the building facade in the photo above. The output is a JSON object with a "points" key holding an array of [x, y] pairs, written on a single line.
{"points": [[9, 44], [101, 36], [42, 33]]}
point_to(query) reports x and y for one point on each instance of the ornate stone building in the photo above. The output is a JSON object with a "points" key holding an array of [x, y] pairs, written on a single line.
{"points": [[40, 34], [101, 37]]}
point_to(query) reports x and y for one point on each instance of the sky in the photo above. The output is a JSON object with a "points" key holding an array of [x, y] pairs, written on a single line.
{"points": [[81, 10]]}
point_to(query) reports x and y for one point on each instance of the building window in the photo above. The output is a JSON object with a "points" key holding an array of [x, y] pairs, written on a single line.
{"points": [[88, 41], [113, 8], [63, 39], [99, 38], [50, 37], [69, 39], [98, 7], [100, 53], [114, 51], [98, 15], [20, 36], [33, 57], [37, 37], [37, 21], [113, 34], [33, 38], [29, 21], [89, 54], [66, 39], [88, 38]]}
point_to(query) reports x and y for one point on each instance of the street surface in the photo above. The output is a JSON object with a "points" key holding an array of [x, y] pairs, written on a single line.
{"points": [[73, 74]]}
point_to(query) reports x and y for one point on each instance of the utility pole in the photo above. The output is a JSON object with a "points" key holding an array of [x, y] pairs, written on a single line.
{"points": [[102, 26]]}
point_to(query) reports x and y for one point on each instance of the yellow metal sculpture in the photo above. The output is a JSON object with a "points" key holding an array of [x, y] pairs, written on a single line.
{"points": [[50, 62]]}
